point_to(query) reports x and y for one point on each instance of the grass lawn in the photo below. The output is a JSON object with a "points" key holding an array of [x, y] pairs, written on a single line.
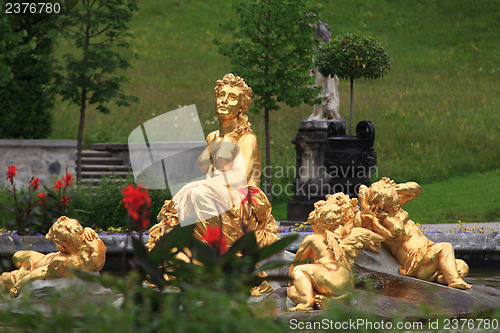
{"points": [[472, 198]]}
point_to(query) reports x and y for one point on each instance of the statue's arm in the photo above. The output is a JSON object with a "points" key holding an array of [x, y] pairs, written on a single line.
{"points": [[303, 253], [250, 152], [407, 192], [97, 256], [204, 161]]}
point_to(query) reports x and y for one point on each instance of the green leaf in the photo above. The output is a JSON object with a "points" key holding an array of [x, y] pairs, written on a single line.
{"points": [[151, 269], [279, 245], [178, 238]]}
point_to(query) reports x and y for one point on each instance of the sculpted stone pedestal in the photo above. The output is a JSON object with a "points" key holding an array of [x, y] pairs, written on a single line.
{"points": [[329, 161]]}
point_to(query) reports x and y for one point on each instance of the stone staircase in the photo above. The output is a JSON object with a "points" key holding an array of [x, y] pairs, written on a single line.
{"points": [[97, 164]]}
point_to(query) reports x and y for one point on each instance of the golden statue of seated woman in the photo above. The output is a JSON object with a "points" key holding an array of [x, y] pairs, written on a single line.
{"points": [[418, 256], [330, 251], [229, 195], [79, 248]]}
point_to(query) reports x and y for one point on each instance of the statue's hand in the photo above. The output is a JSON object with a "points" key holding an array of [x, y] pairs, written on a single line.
{"points": [[372, 223], [89, 234], [14, 292]]}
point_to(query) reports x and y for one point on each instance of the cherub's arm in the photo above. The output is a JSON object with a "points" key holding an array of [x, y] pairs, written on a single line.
{"points": [[95, 255], [394, 225], [303, 253], [371, 222], [407, 191]]}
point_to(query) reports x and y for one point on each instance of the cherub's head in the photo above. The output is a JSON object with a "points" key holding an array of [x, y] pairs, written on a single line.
{"points": [[67, 234], [337, 210], [381, 197]]}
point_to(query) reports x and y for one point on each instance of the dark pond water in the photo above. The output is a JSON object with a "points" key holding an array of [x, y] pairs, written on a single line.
{"points": [[486, 277]]}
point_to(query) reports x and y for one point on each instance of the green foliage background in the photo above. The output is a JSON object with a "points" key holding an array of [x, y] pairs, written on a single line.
{"points": [[435, 113], [26, 101]]}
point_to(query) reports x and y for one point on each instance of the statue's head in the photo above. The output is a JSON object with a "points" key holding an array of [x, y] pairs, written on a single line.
{"points": [[381, 196], [337, 210], [67, 234], [233, 88]]}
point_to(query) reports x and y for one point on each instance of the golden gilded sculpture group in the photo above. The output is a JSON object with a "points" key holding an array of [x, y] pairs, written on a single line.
{"points": [[342, 226]]}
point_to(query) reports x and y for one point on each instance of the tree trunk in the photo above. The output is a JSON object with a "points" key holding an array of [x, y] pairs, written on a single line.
{"points": [[268, 155], [83, 102], [350, 111], [81, 125]]}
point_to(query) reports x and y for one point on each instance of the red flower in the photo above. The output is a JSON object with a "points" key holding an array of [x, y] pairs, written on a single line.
{"points": [[58, 185], [215, 238], [41, 197], [65, 200], [35, 182], [251, 193], [137, 203], [11, 172], [68, 179]]}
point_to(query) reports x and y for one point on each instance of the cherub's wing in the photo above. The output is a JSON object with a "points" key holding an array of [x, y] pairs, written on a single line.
{"points": [[333, 244], [358, 239]]}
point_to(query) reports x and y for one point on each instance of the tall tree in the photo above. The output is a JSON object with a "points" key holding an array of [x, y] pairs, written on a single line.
{"points": [[94, 72], [27, 101], [351, 57], [12, 42], [271, 48]]}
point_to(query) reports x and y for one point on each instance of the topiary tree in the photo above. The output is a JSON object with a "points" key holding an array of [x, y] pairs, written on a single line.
{"points": [[271, 48], [352, 56], [94, 70]]}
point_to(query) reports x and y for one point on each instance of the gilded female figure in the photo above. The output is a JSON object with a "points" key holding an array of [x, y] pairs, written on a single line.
{"points": [[230, 193]]}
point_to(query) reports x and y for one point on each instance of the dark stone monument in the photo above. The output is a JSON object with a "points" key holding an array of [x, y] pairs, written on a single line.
{"points": [[329, 161]]}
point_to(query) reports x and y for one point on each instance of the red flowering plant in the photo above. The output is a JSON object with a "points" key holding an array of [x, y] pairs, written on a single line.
{"points": [[24, 202], [54, 201], [137, 203], [215, 238], [184, 259]]}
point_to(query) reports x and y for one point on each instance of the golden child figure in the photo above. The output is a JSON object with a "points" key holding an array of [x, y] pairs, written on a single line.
{"points": [[331, 251], [418, 256], [79, 248]]}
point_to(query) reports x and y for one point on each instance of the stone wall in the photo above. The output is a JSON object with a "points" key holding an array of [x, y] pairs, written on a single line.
{"points": [[45, 159]]}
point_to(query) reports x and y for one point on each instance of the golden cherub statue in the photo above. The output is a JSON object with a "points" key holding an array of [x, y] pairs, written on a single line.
{"points": [[79, 248], [332, 248], [232, 150], [418, 256]]}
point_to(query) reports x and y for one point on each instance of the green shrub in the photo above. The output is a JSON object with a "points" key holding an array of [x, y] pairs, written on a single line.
{"points": [[196, 310], [103, 206]]}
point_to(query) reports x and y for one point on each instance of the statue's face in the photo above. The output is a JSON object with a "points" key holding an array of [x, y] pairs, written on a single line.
{"points": [[228, 102]]}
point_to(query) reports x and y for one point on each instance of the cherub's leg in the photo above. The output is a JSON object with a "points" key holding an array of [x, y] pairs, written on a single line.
{"points": [[6, 281], [21, 257], [441, 257], [463, 271], [37, 274], [302, 292]]}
